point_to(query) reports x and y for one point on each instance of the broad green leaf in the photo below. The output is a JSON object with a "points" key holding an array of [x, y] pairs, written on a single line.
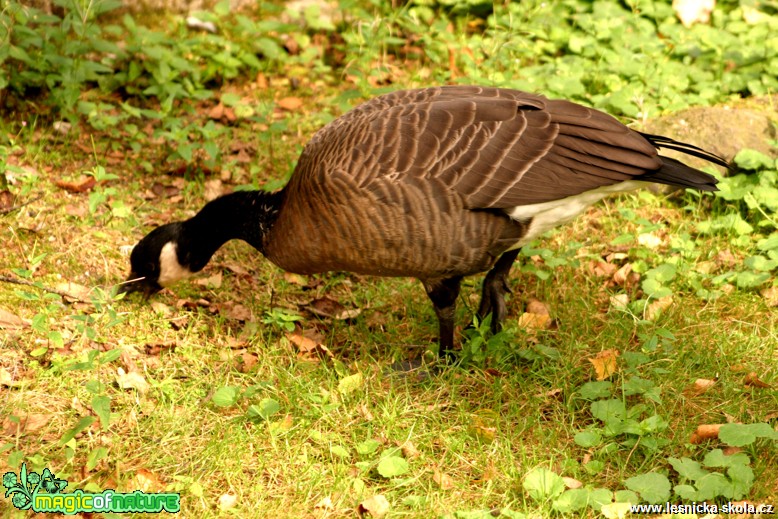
{"points": [[742, 478], [686, 492], [266, 408], [102, 408], [688, 468], [596, 390], [653, 424], [588, 439], [615, 510], [769, 243], [594, 466], [230, 99], [738, 435], [626, 496], [753, 160], [571, 500], [713, 485], [652, 487], [392, 466], [637, 386], [751, 279], [609, 410], [542, 484], [368, 447], [717, 458], [760, 263], [655, 289], [226, 396], [599, 497], [663, 273], [350, 383], [82, 424], [95, 456], [339, 451]]}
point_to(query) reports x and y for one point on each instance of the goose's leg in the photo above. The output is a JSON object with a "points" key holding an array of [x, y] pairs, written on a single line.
{"points": [[494, 289], [443, 293]]}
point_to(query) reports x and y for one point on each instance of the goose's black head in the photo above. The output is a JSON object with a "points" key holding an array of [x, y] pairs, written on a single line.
{"points": [[155, 263]]}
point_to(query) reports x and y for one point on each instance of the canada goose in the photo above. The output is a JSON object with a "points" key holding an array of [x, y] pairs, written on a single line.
{"points": [[435, 183]]}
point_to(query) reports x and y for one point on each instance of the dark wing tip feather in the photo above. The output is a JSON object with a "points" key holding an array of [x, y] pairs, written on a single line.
{"points": [[660, 141], [676, 173]]}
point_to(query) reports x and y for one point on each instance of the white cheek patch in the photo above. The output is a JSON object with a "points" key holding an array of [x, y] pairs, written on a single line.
{"points": [[170, 270], [547, 215]]}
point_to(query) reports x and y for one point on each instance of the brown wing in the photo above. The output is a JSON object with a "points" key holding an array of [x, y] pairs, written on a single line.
{"points": [[497, 148]]}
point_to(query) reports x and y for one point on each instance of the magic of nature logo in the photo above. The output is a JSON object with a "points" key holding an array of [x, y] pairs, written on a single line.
{"points": [[44, 493]]}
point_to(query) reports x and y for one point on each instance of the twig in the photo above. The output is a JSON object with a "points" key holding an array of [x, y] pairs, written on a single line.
{"points": [[17, 281], [14, 208]]}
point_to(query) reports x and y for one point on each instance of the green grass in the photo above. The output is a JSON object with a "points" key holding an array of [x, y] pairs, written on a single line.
{"points": [[233, 407], [482, 430]]}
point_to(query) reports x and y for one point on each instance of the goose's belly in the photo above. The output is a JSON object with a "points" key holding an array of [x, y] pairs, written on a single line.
{"points": [[543, 217], [385, 239]]}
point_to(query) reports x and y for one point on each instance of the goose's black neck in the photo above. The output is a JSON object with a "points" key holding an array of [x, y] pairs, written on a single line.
{"points": [[243, 215]]}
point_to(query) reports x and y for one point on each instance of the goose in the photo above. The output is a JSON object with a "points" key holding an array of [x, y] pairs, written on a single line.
{"points": [[434, 183]]}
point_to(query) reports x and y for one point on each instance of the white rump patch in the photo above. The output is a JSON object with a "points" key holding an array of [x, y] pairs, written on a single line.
{"points": [[547, 215], [170, 270]]}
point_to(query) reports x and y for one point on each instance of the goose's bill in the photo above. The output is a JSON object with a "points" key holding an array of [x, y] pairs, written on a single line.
{"points": [[137, 283]]}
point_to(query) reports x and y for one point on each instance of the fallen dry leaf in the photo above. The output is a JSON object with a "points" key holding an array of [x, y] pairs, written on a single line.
{"points": [[656, 308], [132, 380], [74, 289], [190, 305], [295, 279], [377, 506], [571, 482], [622, 275], [693, 11], [409, 450], [161, 308], [619, 301], [214, 281], [6, 201], [324, 504], [157, 348], [227, 501], [10, 320], [234, 268], [26, 423], [309, 348], [84, 185], [752, 380], [329, 308], [602, 269], [235, 311], [146, 481], [6, 379], [246, 361], [770, 296], [616, 510], [532, 321], [705, 432], [76, 210], [701, 385], [290, 103], [535, 306], [366, 413], [605, 363], [235, 343], [650, 240], [444, 481], [213, 189]]}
